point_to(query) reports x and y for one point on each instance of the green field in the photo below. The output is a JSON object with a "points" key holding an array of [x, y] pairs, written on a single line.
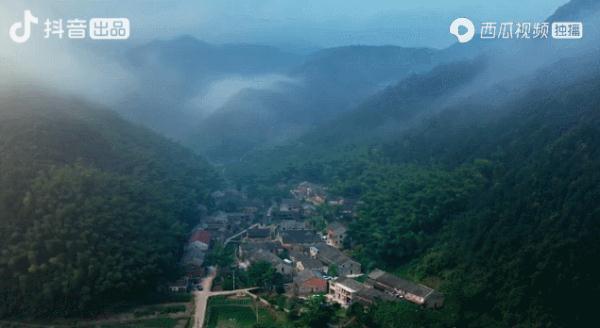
{"points": [[230, 313], [148, 323]]}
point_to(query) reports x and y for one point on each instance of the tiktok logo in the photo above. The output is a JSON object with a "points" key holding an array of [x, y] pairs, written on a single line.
{"points": [[25, 26]]}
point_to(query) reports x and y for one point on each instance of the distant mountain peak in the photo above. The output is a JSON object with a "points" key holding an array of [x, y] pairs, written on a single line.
{"points": [[576, 9]]}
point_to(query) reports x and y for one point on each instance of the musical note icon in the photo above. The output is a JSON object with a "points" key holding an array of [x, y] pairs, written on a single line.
{"points": [[25, 26]]}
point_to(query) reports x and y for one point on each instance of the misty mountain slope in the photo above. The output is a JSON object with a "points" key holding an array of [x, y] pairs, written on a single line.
{"points": [[364, 65], [398, 105], [494, 204], [517, 58], [194, 91], [575, 9], [194, 61], [334, 81], [515, 230], [88, 192], [492, 199], [245, 122], [175, 75], [489, 84], [345, 112], [379, 119], [469, 127], [330, 82]]}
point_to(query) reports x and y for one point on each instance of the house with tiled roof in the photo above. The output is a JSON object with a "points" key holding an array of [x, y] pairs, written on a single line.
{"points": [[343, 291], [336, 233], [258, 234], [246, 249], [404, 289], [330, 255], [202, 236], [312, 286], [281, 266], [369, 296], [305, 262], [297, 239]]}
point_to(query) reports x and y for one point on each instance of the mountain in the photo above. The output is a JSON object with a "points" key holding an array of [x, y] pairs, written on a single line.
{"points": [[380, 118], [513, 228], [175, 75], [471, 77], [477, 179], [494, 204], [225, 101], [97, 210], [195, 61], [499, 214], [575, 10], [327, 84]]}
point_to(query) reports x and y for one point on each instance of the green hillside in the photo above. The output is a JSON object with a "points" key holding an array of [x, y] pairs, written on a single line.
{"points": [[496, 204], [92, 208]]}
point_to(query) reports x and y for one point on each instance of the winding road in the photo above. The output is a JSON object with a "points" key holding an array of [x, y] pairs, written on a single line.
{"points": [[228, 240], [203, 295]]}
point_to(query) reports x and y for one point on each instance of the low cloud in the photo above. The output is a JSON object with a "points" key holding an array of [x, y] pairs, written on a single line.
{"points": [[73, 67], [218, 93]]}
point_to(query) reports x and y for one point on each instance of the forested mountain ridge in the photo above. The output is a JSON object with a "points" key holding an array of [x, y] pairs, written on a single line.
{"points": [[92, 209], [379, 118], [224, 101], [511, 230], [496, 206], [328, 83], [176, 75], [492, 197], [198, 60], [575, 9]]}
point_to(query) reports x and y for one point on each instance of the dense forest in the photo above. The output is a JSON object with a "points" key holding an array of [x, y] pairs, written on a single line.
{"points": [[476, 167], [92, 209], [494, 204]]}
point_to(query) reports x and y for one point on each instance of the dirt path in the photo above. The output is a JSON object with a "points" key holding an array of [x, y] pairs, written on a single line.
{"points": [[203, 295]]}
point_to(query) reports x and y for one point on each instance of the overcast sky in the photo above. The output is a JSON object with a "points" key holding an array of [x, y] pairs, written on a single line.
{"points": [[297, 23]]}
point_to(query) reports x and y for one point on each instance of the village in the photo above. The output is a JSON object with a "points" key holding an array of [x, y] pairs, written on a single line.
{"points": [[311, 257]]}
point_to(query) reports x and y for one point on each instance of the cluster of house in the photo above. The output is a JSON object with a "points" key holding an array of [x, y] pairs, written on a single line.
{"points": [[214, 228], [306, 196], [310, 192], [311, 263], [382, 286], [314, 264], [298, 253], [223, 224], [193, 260]]}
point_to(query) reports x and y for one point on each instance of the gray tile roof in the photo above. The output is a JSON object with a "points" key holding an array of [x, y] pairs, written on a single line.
{"points": [[266, 256], [291, 225], [337, 228], [257, 246], [309, 263], [299, 237], [351, 283], [393, 281], [330, 254], [373, 295], [259, 233]]}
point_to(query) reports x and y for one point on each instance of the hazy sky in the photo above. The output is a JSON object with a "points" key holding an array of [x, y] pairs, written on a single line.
{"points": [[298, 23]]}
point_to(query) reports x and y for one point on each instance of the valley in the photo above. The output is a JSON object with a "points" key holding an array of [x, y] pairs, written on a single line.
{"points": [[359, 186]]}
